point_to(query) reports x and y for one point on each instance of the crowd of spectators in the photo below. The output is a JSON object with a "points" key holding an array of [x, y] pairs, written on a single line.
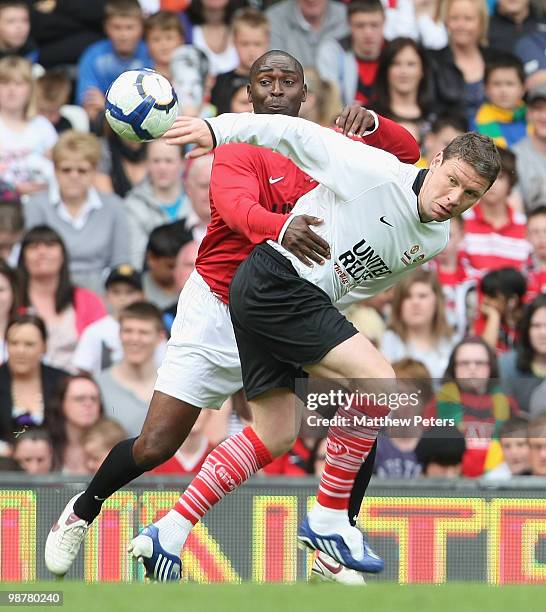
{"points": [[98, 235]]}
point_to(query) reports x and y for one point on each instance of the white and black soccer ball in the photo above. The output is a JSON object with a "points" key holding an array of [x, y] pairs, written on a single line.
{"points": [[141, 105]]}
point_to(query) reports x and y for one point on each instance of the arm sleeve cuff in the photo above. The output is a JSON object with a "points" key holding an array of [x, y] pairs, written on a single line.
{"points": [[376, 123], [214, 142], [284, 228]]}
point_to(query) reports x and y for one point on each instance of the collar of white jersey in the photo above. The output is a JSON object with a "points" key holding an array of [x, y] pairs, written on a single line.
{"points": [[416, 187]]}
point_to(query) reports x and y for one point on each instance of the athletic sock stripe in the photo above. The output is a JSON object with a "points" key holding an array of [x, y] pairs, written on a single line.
{"points": [[226, 468], [193, 498], [248, 450]]}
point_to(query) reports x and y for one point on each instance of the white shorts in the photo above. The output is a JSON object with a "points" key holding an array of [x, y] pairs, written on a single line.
{"points": [[201, 364]]}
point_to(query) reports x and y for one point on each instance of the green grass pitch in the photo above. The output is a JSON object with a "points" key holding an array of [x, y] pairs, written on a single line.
{"points": [[300, 597]]}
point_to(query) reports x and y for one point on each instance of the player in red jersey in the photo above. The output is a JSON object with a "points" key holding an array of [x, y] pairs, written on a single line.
{"points": [[201, 368]]}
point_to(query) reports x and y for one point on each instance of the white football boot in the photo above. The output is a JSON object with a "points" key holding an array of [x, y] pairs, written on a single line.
{"points": [[326, 569], [64, 540]]}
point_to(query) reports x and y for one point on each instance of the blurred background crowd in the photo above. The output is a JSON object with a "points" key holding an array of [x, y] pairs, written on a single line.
{"points": [[98, 235]]}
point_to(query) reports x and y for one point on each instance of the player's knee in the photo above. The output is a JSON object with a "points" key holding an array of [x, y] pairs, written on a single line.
{"points": [[384, 370], [150, 451], [280, 443], [377, 369]]}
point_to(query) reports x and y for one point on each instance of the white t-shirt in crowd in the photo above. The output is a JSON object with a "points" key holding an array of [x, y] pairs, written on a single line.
{"points": [[22, 154], [100, 347], [436, 359], [226, 61]]}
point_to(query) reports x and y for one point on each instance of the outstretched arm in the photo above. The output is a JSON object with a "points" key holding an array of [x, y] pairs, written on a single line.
{"points": [[344, 166]]}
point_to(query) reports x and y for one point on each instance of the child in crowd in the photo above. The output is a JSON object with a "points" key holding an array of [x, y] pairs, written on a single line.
{"points": [[158, 281], [440, 452], [53, 92], [239, 102], [495, 235], [536, 435], [33, 451], [103, 61], [442, 131], [163, 33], [251, 40], [502, 294], [515, 450], [535, 269], [12, 223], [396, 444], [99, 440], [15, 30], [26, 138], [502, 117]]}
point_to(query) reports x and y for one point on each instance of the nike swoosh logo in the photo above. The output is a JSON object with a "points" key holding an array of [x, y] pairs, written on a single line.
{"points": [[73, 518], [100, 498], [383, 220], [335, 569], [272, 181]]}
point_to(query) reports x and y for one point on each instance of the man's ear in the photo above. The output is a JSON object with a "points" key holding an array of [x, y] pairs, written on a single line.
{"points": [[437, 160], [249, 93], [304, 97]]}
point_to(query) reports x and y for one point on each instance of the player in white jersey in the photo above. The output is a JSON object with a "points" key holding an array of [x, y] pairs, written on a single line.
{"points": [[382, 218]]}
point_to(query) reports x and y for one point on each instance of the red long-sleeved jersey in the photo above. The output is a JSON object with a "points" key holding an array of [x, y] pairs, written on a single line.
{"points": [[253, 190]]}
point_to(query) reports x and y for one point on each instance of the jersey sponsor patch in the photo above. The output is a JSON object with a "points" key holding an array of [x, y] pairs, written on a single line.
{"points": [[412, 255], [362, 263]]}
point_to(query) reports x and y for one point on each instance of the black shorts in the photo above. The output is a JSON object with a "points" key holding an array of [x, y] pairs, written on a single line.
{"points": [[282, 322]]}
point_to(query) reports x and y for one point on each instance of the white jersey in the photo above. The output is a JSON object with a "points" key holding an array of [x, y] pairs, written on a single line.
{"points": [[365, 196]]}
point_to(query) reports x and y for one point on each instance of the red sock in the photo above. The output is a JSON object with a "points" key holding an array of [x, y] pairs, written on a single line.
{"points": [[347, 447], [225, 469]]}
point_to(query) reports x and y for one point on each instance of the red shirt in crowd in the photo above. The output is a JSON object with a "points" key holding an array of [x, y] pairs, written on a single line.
{"points": [[292, 463], [485, 248], [455, 286], [367, 72], [253, 190], [508, 335], [176, 464], [536, 279]]}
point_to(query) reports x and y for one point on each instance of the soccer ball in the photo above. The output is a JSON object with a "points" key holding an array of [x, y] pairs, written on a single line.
{"points": [[141, 105]]}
